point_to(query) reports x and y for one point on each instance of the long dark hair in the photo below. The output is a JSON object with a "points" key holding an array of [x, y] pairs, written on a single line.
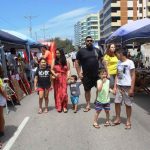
{"points": [[62, 60]]}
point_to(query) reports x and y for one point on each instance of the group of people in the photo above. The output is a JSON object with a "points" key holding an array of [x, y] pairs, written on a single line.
{"points": [[117, 76], [113, 72]]}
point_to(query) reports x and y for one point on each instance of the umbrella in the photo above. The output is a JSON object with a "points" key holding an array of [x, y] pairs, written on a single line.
{"points": [[133, 31], [7, 37]]}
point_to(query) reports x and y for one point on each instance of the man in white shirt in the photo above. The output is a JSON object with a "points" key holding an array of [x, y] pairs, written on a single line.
{"points": [[73, 57], [124, 87]]}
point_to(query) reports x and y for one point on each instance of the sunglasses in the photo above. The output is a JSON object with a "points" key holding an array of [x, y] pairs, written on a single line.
{"points": [[89, 40]]}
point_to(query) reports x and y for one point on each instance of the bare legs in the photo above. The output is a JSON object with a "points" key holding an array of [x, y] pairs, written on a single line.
{"points": [[88, 97], [107, 123], [43, 94], [128, 113], [2, 121]]}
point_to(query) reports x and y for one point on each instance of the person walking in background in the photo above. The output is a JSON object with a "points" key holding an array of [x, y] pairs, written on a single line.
{"points": [[42, 84], [61, 69], [35, 59], [110, 63], [47, 55], [74, 92], [124, 87], [73, 57], [103, 99], [87, 66]]}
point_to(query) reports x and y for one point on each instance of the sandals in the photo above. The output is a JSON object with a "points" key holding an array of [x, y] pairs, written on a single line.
{"points": [[116, 123], [97, 126], [87, 109], [128, 126], [75, 111], [46, 110], [65, 110], [107, 123], [40, 111]]}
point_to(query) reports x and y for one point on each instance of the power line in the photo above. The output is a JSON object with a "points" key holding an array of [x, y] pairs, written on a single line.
{"points": [[30, 23], [44, 31], [8, 23]]}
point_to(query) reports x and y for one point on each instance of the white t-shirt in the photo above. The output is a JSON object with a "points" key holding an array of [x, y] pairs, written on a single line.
{"points": [[123, 72], [73, 55]]}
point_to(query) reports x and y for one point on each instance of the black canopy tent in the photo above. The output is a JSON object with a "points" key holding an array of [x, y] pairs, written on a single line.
{"points": [[8, 40], [6, 37]]}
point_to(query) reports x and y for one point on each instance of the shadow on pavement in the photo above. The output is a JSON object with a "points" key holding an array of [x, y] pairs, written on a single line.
{"points": [[143, 101], [9, 132], [81, 106]]}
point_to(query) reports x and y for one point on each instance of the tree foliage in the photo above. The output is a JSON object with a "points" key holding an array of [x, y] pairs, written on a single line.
{"points": [[65, 44]]}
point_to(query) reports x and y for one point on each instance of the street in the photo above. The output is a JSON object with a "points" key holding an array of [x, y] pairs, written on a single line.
{"points": [[69, 131]]}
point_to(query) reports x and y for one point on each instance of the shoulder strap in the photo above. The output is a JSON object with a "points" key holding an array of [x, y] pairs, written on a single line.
{"points": [[96, 54]]}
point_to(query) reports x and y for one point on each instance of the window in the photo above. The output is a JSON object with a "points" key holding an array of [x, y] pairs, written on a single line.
{"points": [[115, 9], [140, 10], [115, 19], [130, 18], [130, 8]]}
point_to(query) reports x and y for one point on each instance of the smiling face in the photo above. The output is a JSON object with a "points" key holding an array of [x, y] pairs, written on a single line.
{"points": [[43, 63]]}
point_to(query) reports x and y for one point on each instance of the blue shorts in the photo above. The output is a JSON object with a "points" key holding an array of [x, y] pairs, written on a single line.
{"points": [[99, 106], [74, 99]]}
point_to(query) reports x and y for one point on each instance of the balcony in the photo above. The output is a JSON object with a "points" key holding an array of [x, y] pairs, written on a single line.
{"points": [[148, 3], [148, 14], [114, 14], [115, 4], [118, 23]]}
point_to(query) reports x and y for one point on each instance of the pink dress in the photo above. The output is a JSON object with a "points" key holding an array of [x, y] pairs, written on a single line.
{"points": [[60, 87]]}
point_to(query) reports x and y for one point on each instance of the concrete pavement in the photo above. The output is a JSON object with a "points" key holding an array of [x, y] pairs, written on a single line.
{"points": [[55, 131]]}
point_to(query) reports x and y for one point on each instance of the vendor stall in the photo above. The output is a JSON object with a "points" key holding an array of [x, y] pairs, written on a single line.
{"points": [[15, 59]]}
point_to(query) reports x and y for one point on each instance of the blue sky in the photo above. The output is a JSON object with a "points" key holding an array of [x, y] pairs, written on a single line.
{"points": [[56, 16]]}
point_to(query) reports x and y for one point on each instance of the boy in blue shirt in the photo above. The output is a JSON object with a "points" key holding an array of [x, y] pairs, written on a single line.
{"points": [[74, 92]]}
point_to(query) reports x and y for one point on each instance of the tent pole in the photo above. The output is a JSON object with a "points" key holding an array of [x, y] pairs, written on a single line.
{"points": [[3, 59]]}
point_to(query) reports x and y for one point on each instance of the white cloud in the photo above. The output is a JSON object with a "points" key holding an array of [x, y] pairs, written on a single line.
{"points": [[62, 25]]}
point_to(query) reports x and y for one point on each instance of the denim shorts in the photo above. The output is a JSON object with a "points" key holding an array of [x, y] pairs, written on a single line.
{"points": [[74, 99]]}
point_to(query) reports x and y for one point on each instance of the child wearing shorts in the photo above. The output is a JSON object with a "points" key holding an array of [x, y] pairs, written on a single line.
{"points": [[42, 83], [103, 99], [74, 92]]}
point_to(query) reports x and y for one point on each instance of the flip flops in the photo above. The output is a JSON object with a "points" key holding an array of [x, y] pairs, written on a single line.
{"points": [[65, 110], [128, 126], [107, 123], [97, 126], [86, 109], [46, 110], [40, 111], [116, 123]]}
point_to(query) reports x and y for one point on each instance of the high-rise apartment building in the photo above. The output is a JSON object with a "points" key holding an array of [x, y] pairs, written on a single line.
{"points": [[116, 13], [77, 33], [89, 25]]}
